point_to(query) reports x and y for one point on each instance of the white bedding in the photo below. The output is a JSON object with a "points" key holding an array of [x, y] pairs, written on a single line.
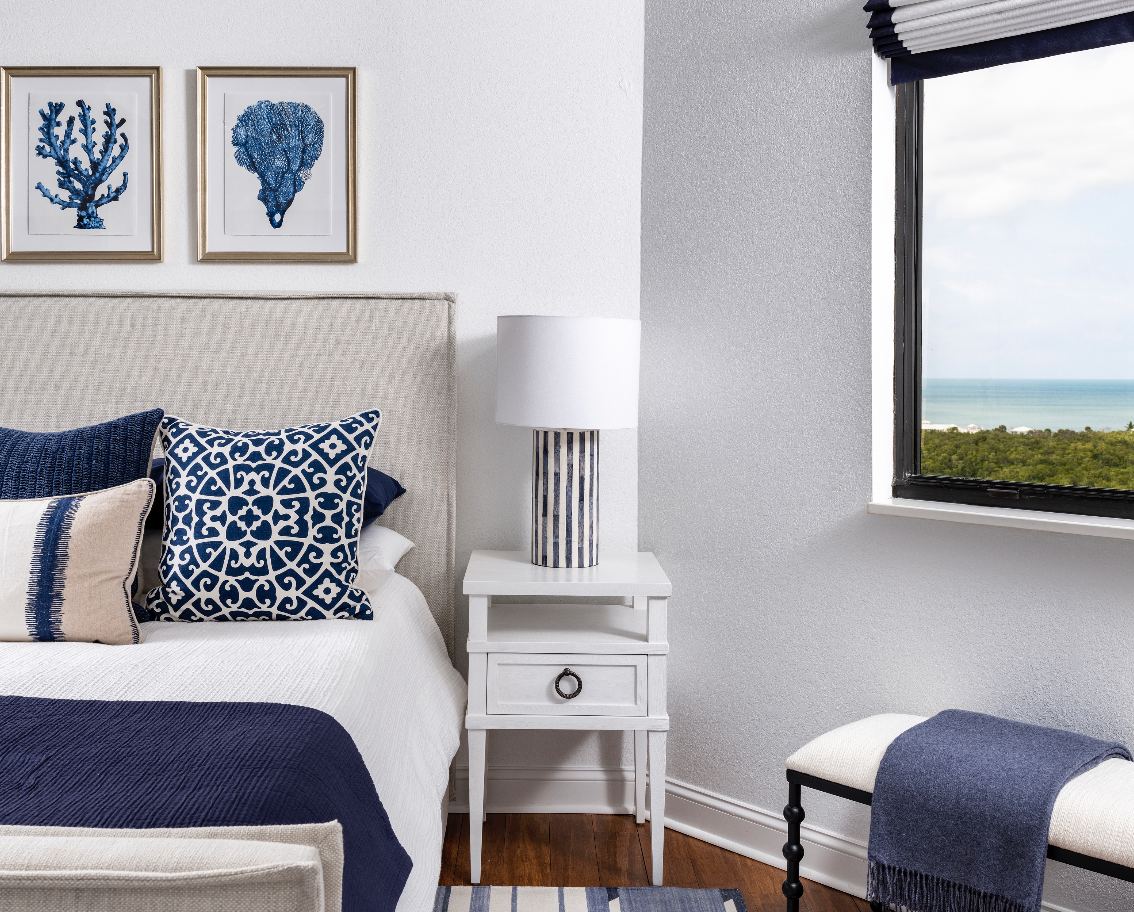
{"points": [[388, 682]]}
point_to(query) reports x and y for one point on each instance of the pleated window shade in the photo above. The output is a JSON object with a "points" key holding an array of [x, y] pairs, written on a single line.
{"points": [[927, 38]]}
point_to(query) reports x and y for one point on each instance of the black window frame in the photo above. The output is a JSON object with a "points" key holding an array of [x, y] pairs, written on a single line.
{"points": [[908, 482]]}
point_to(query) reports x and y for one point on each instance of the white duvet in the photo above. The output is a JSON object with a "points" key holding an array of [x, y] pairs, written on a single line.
{"points": [[388, 682]]}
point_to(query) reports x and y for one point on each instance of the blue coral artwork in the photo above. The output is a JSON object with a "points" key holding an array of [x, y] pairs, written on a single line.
{"points": [[277, 170], [279, 142], [79, 164]]}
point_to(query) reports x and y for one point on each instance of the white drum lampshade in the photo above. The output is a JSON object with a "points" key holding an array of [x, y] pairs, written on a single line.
{"points": [[568, 378]]}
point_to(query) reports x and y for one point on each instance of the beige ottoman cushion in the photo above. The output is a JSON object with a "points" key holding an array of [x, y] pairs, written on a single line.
{"points": [[326, 838], [1093, 813], [130, 874]]}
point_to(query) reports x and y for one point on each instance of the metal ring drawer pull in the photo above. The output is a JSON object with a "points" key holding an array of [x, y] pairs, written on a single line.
{"points": [[568, 673]]}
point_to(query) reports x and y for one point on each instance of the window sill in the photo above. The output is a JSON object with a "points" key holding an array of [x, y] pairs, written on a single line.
{"points": [[1033, 520]]}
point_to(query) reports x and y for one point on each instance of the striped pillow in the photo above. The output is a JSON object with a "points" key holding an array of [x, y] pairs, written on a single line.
{"points": [[68, 563]]}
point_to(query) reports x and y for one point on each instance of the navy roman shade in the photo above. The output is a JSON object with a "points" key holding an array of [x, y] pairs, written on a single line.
{"points": [[927, 38]]}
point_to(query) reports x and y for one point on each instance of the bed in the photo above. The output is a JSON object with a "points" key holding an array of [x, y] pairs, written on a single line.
{"points": [[249, 362]]}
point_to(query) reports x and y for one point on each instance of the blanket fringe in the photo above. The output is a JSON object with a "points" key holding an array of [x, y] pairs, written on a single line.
{"points": [[920, 892]]}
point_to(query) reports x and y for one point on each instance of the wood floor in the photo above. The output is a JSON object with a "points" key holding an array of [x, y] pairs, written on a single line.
{"points": [[605, 850]]}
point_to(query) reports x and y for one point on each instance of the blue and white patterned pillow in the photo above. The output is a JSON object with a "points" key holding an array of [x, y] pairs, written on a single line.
{"points": [[263, 525]]}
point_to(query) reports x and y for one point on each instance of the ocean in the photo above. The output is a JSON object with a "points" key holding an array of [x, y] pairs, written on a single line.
{"points": [[1054, 404]]}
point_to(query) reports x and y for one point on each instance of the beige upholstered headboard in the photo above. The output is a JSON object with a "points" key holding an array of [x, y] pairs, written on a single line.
{"points": [[250, 362]]}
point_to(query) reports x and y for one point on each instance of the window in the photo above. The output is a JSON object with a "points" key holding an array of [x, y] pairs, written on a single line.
{"points": [[1015, 286]]}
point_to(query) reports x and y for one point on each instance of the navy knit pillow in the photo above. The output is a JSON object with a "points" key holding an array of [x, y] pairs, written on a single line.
{"points": [[62, 463]]}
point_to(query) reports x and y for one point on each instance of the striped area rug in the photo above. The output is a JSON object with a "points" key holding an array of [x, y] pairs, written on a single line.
{"points": [[586, 899]]}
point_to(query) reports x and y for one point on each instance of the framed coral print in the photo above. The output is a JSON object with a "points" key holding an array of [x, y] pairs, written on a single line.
{"points": [[82, 175], [275, 164]]}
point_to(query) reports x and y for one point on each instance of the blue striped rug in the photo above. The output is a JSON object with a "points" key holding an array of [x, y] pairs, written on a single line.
{"points": [[586, 899]]}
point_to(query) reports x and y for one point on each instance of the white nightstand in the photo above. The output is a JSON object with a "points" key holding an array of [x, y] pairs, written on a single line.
{"points": [[523, 657]]}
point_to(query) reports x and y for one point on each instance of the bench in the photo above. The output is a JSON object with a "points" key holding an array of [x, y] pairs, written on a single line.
{"points": [[1092, 823]]}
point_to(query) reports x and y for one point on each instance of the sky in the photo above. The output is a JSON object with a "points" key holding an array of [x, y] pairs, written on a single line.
{"points": [[1028, 263]]}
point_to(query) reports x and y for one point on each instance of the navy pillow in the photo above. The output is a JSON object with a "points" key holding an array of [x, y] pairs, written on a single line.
{"points": [[381, 491], [62, 463]]}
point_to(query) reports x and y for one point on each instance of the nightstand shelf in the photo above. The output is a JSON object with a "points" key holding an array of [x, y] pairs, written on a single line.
{"points": [[525, 660], [603, 629]]}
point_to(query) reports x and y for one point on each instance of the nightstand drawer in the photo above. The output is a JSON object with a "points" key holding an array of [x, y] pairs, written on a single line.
{"points": [[611, 685]]}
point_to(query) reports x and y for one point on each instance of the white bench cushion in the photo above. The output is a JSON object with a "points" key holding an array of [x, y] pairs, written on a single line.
{"points": [[132, 874], [1093, 814], [851, 755]]}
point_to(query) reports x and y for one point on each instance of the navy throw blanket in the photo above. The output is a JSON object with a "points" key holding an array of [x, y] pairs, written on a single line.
{"points": [[961, 810], [146, 764]]}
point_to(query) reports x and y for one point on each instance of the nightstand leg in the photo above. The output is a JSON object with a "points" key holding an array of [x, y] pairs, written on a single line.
{"points": [[657, 802], [640, 776], [476, 800]]}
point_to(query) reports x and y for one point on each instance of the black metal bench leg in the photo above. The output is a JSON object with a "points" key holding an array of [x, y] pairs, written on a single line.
{"points": [[793, 850]]}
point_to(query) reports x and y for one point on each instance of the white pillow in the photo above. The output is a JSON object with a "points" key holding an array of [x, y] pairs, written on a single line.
{"points": [[379, 550]]}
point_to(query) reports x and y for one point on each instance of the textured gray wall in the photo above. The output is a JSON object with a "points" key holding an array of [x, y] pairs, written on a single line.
{"points": [[794, 611]]}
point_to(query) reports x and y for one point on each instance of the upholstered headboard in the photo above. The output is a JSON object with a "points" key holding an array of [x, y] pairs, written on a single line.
{"points": [[256, 362]]}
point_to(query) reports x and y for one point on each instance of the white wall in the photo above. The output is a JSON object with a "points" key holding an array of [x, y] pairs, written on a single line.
{"points": [[499, 158], [794, 611]]}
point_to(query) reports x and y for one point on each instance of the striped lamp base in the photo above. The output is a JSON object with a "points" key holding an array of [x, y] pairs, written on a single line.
{"points": [[565, 498]]}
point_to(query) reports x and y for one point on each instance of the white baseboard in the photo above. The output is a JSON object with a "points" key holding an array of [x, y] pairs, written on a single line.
{"points": [[756, 833], [829, 859]]}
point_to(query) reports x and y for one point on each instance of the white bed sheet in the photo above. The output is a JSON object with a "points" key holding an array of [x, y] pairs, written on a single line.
{"points": [[388, 682]]}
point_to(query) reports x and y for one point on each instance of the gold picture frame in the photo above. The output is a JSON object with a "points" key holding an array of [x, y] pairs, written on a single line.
{"points": [[24, 236], [216, 210]]}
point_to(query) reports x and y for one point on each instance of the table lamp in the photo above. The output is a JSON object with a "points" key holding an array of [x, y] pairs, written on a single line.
{"points": [[568, 378]]}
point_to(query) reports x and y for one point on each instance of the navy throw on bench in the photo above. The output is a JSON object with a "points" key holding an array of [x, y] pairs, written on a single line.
{"points": [[961, 809]]}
